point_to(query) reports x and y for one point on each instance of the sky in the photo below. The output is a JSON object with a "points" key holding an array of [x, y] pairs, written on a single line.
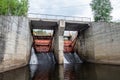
{"points": [[80, 8]]}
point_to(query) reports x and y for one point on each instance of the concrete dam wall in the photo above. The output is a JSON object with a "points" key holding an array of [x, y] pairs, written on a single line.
{"points": [[15, 42], [100, 43], [97, 42]]}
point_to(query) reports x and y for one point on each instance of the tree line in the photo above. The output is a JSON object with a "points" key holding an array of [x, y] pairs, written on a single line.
{"points": [[14, 7]]}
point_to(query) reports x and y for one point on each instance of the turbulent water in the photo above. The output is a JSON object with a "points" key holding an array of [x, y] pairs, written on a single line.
{"points": [[45, 58], [71, 58], [41, 58], [33, 58]]}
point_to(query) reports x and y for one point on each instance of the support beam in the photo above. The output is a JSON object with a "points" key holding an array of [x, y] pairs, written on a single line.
{"points": [[59, 42]]}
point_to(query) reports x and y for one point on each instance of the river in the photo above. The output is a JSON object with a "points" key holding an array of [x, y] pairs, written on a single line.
{"points": [[64, 72]]}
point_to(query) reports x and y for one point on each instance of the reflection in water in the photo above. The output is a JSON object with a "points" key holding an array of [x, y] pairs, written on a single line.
{"points": [[46, 72], [71, 72], [91, 72], [79, 72], [17, 74]]}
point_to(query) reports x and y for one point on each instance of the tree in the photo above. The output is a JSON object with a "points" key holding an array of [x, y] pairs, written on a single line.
{"points": [[40, 32], [13, 7], [101, 10]]}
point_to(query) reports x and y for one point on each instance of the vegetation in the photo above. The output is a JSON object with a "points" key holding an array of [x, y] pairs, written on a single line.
{"points": [[14, 7], [102, 10], [41, 32]]}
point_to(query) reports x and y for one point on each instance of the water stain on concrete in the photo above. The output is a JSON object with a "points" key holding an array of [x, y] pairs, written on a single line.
{"points": [[2, 40]]}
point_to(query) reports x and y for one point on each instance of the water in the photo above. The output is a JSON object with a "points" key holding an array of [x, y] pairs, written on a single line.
{"points": [[45, 58], [33, 59], [71, 72], [46, 72], [71, 58], [41, 58], [42, 67]]}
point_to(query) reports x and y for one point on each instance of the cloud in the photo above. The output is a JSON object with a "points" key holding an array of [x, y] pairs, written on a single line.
{"points": [[116, 10], [69, 7]]}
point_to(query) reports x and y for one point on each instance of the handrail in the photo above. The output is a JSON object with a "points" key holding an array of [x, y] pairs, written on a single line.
{"points": [[50, 16]]}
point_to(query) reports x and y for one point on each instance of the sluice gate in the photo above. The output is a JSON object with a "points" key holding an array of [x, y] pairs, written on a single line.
{"points": [[69, 45], [43, 49], [70, 55], [42, 44], [60, 48]]}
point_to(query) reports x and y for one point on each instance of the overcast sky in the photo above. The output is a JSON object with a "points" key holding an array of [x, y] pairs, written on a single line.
{"points": [[79, 8]]}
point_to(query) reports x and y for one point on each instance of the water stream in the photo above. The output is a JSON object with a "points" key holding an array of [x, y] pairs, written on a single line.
{"points": [[71, 58], [45, 58], [42, 58], [33, 58]]}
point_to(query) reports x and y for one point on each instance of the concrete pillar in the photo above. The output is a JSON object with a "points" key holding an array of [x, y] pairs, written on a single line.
{"points": [[61, 72], [59, 42]]}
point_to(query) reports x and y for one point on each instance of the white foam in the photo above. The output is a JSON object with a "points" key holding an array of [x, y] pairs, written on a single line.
{"points": [[65, 61], [33, 59]]}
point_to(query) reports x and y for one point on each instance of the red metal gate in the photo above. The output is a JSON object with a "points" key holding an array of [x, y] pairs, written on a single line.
{"points": [[42, 44], [69, 45]]}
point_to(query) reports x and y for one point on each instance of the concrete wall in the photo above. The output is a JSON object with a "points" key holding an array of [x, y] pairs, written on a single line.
{"points": [[59, 42], [101, 43], [15, 42]]}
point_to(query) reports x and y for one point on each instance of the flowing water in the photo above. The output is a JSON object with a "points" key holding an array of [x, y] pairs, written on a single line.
{"points": [[42, 58], [45, 58], [33, 59], [71, 58]]}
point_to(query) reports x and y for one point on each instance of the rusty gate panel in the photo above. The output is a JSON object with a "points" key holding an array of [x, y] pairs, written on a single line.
{"points": [[41, 49], [68, 46], [42, 44]]}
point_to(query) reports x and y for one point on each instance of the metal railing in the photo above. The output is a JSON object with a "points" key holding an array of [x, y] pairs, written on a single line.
{"points": [[58, 17]]}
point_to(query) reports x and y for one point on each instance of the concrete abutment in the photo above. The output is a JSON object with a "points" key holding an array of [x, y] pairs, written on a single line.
{"points": [[15, 42], [100, 43]]}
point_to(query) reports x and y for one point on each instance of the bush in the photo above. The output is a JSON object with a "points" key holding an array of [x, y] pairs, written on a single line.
{"points": [[14, 7]]}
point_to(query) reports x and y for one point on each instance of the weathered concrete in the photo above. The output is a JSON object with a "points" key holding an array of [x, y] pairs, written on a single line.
{"points": [[59, 42], [17, 74], [15, 42], [100, 43]]}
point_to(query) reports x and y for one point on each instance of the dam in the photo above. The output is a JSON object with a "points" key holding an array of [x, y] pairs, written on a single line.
{"points": [[55, 43], [95, 42]]}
